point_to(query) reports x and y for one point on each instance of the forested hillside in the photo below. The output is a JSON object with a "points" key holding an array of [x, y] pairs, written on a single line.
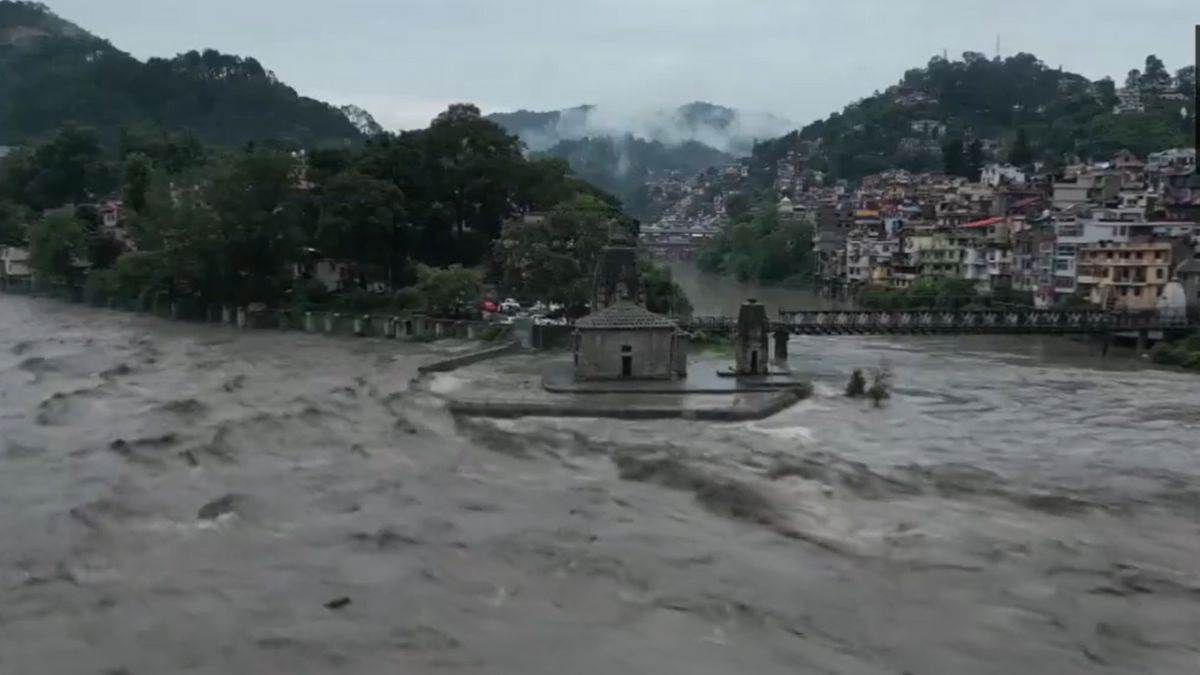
{"points": [[1061, 114], [53, 72]]}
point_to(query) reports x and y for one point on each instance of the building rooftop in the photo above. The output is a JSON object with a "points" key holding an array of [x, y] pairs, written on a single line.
{"points": [[626, 316]]}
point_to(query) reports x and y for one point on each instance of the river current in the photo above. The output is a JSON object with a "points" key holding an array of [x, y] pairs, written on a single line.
{"points": [[183, 498]]}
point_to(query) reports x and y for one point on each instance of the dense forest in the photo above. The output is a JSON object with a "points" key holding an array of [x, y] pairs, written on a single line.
{"points": [[416, 217], [53, 72], [760, 246], [1056, 113]]}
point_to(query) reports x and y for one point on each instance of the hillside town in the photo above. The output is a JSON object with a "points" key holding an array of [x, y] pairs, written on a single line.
{"points": [[1112, 234]]}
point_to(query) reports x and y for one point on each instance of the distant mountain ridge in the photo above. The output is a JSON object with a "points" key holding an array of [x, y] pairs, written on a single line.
{"points": [[53, 72]]}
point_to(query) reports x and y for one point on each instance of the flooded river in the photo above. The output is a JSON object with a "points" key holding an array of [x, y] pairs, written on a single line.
{"points": [[183, 498]]}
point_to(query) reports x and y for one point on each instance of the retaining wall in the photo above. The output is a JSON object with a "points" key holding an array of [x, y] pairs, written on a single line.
{"points": [[462, 360], [766, 406], [401, 326]]}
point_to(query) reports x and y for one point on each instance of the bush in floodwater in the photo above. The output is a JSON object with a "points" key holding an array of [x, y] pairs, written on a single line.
{"points": [[857, 386], [880, 389], [1185, 353]]}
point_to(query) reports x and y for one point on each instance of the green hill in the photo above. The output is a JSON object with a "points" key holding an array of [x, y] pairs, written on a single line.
{"points": [[53, 72], [1062, 114]]}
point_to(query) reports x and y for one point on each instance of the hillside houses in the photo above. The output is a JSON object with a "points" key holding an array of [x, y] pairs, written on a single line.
{"points": [[1113, 234]]}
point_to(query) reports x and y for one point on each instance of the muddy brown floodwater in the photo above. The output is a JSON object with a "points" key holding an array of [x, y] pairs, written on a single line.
{"points": [[193, 499]]}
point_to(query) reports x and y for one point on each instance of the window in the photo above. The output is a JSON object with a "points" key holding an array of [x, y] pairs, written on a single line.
{"points": [[1137, 292], [1160, 273], [626, 349]]}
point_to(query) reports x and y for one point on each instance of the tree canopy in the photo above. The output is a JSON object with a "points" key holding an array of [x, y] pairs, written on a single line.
{"points": [[1059, 113]]}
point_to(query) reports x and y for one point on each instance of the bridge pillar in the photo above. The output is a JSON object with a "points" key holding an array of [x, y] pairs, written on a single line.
{"points": [[1143, 341], [781, 344]]}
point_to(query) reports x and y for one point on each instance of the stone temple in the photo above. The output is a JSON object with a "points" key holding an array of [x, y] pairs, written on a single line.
{"points": [[621, 339], [751, 339]]}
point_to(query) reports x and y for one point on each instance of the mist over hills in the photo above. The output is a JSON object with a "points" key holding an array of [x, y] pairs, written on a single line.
{"points": [[619, 149], [726, 130]]}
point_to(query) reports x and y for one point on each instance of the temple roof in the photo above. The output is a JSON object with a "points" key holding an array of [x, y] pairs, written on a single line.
{"points": [[625, 315]]}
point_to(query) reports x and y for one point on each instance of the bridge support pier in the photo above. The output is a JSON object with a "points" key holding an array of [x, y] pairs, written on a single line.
{"points": [[781, 344]]}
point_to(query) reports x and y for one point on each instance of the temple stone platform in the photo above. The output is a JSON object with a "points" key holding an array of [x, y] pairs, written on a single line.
{"points": [[524, 385], [704, 377]]}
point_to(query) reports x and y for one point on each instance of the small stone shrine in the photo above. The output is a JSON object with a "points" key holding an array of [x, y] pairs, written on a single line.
{"points": [[621, 339]]}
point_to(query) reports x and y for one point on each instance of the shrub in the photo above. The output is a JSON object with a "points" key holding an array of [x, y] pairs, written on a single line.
{"points": [[407, 298], [100, 286], [857, 386], [881, 385]]}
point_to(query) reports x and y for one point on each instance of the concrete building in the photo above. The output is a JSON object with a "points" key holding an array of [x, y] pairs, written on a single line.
{"points": [[14, 264], [995, 175], [1129, 276]]}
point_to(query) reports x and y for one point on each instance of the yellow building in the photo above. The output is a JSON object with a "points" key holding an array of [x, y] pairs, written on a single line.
{"points": [[1128, 276]]}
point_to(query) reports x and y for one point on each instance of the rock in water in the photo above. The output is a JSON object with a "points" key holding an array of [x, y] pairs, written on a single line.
{"points": [[337, 603], [217, 508]]}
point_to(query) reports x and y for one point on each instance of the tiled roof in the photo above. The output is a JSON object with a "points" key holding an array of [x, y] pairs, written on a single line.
{"points": [[624, 315]]}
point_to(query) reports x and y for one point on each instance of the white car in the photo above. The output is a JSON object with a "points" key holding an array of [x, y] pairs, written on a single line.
{"points": [[510, 306]]}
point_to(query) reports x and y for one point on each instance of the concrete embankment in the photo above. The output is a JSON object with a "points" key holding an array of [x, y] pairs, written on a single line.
{"points": [[461, 360], [750, 407]]}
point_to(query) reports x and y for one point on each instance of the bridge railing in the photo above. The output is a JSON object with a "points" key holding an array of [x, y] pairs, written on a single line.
{"points": [[997, 320]]}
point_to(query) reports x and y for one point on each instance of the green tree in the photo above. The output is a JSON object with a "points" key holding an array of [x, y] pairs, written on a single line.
{"points": [[1156, 72], [14, 220], [554, 260], [69, 168], [973, 165], [139, 171], [449, 292], [954, 163], [58, 243], [251, 199], [663, 295], [472, 164], [362, 219], [1020, 154]]}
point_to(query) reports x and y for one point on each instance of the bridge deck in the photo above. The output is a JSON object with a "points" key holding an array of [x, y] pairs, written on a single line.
{"points": [[1049, 322]]}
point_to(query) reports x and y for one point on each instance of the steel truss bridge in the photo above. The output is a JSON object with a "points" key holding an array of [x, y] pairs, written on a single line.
{"points": [[932, 322]]}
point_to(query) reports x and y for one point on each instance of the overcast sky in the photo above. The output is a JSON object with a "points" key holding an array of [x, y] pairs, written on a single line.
{"points": [[405, 60]]}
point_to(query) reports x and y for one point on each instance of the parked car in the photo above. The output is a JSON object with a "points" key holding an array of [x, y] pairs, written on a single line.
{"points": [[510, 306]]}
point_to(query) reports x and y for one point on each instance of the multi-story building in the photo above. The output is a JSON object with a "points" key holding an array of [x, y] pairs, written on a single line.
{"points": [[1129, 276]]}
